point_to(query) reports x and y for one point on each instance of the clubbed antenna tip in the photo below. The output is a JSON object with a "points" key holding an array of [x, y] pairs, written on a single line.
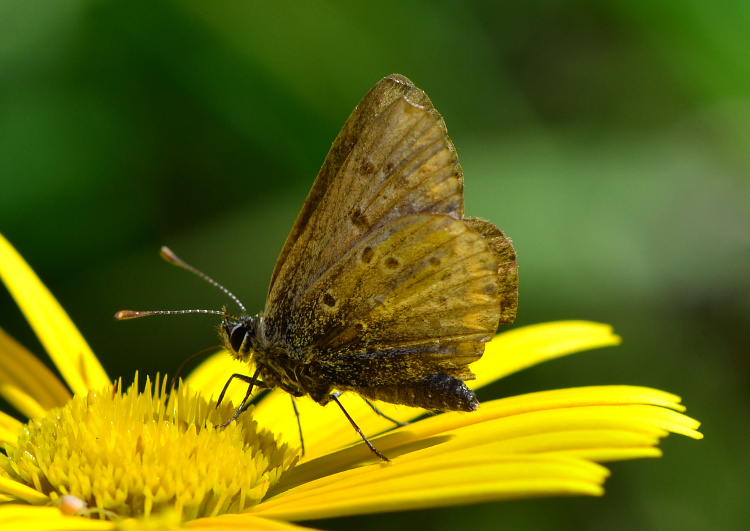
{"points": [[128, 314]]}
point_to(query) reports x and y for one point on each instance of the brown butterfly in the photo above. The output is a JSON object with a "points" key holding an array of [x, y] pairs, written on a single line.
{"points": [[383, 288]]}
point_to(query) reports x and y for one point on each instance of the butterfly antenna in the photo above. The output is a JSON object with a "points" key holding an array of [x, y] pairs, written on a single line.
{"points": [[167, 254], [172, 258], [133, 314]]}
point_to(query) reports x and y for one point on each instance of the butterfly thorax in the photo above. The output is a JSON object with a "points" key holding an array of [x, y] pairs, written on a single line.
{"points": [[279, 366]]}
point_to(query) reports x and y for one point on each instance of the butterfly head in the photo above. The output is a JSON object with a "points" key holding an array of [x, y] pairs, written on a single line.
{"points": [[238, 335]]}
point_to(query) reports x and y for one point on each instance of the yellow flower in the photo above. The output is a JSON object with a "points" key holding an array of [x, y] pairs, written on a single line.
{"points": [[109, 459]]}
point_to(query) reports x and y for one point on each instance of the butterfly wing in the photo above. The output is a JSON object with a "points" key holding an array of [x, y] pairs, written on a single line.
{"points": [[381, 282]]}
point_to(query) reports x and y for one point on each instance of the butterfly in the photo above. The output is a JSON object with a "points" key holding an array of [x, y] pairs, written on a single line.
{"points": [[383, 288]]}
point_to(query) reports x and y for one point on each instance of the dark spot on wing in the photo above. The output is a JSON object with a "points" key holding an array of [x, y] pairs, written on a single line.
{"points": [[489, 289], [358, 218], [391, 263], [434, 261], [367, 255], [328, 300], [366, 168]]}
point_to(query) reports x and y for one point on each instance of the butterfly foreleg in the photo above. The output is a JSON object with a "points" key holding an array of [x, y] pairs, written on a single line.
{"points": [[252, 383]]}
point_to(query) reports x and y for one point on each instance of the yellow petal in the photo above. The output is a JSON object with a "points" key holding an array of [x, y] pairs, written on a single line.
{"points": [[8, 429], [518, 349], [592, 395], [21, 369], [65, 345], [241, 521], [575, 430], [540, 412], [31, 518], [21, 492], [599, 445], [625, 424], [456, 479], [21, 401]]}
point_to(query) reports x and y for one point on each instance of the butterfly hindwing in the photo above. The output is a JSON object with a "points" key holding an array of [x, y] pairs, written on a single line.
{"points": [[415, 297], [507, 271]]}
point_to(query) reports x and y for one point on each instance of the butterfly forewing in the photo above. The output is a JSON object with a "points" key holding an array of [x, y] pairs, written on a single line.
{"points": [[384, 93], [397, 160]]}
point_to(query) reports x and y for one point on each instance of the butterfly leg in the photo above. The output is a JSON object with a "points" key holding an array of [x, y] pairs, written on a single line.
{"points": [[252, 382], [386, 417], [299, 425], [335, 398]]}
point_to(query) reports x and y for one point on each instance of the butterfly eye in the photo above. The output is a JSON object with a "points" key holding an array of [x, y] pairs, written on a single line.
{"points": [[237, 336]]}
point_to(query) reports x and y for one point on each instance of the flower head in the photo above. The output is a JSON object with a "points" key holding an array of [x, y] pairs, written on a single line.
{"points": [[131, 454], [109, 458]]}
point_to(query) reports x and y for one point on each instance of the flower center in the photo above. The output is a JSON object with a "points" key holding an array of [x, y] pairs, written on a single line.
{"points": [[137, 455]]}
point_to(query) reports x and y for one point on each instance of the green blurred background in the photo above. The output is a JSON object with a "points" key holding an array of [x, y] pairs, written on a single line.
{"points": [[609, 139]]}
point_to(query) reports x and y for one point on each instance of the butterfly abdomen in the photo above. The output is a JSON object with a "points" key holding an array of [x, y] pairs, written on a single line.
{"points": [[438, 392]]}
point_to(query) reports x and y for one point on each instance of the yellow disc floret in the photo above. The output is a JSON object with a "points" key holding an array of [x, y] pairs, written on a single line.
{"points": [[137, 454]]}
